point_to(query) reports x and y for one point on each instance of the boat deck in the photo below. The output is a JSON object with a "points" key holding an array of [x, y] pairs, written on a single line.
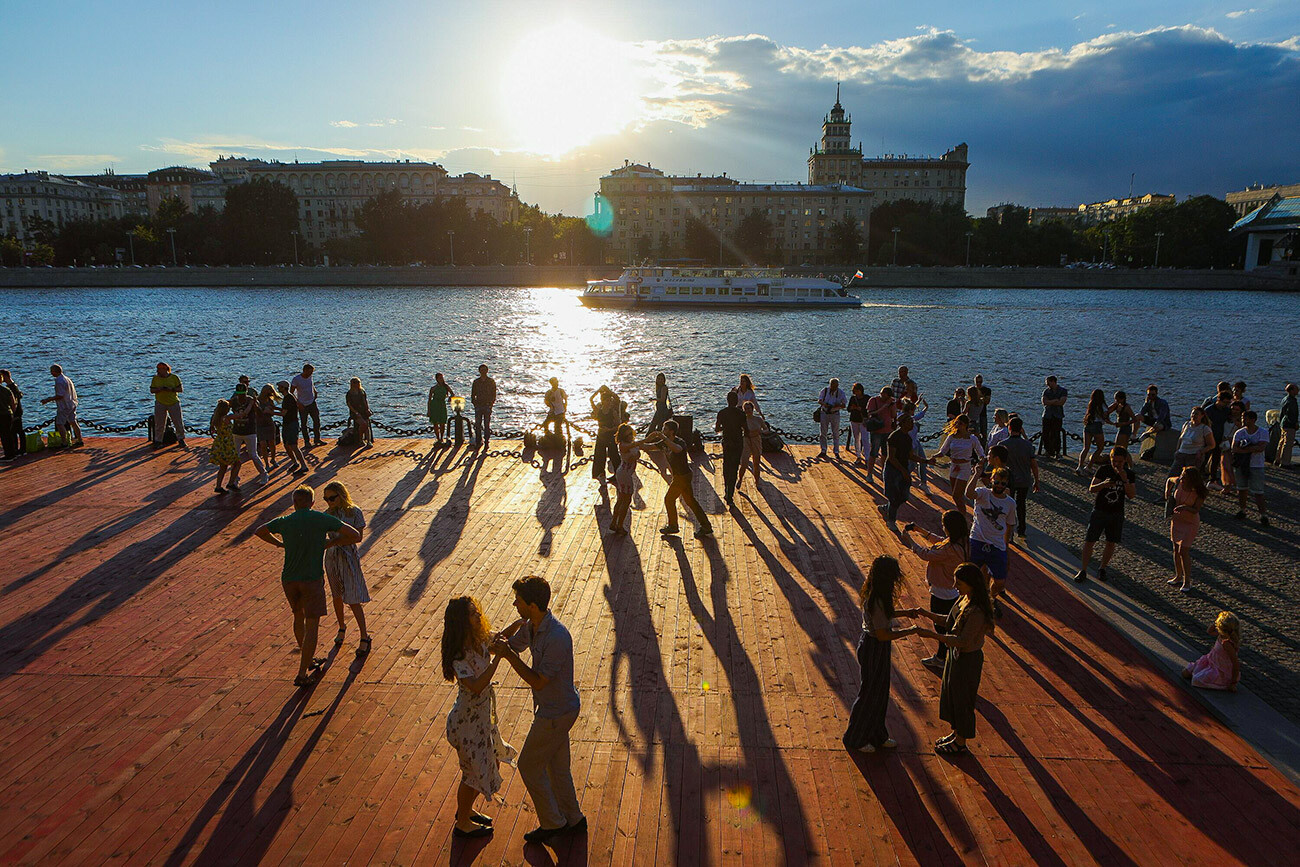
{"points": [[148, 717]]}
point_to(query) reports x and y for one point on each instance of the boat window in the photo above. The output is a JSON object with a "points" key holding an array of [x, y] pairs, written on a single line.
{"points": [[697, 290], [672, 290], [763, 289], [749, 290], [803, 293], [710, 291], [643, 290]]}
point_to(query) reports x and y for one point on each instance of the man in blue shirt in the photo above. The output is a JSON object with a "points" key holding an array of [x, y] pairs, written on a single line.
{"points": [[1288, 419], [1155, 412], [544, 762]]}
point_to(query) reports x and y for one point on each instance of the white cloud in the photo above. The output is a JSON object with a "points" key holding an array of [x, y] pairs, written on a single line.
{"points": [[388, 121], [345, 124], [80, 163], [1241, 12]]}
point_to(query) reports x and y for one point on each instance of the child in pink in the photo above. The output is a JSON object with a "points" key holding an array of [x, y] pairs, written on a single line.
{"points": [[1220, 668]]}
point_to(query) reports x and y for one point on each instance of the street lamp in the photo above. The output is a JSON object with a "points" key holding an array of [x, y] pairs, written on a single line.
{"points": [[895, 230], [130, 238], [172, 234], [1159, 235], [528, 245], [968, 234], [295, 248], [451, 246]]}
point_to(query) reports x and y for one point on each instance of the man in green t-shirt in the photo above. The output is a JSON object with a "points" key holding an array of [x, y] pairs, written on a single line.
{"points": [[166, 388], [304, 536]]}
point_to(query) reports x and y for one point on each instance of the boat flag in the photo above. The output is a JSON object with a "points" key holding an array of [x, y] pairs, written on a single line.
{"points": [[858, 275]]}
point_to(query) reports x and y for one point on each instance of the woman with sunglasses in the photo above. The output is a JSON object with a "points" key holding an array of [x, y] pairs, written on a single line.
{"points": [[962, 449], [343, 566]]}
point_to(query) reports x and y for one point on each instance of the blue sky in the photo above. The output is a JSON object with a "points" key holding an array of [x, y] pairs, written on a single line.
{"points": [[1058, 102]]}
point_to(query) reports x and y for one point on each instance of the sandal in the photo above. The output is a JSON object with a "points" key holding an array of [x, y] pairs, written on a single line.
{"points": [[951, 748], [363, 646], [311, 678], [338, 639]]}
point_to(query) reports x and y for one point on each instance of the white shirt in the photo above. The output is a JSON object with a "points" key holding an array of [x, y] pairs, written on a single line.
{"points": [[557, 402], [303, 390], [1244, 437], [65, 391], [991, 516], [1000, 434], [1193, 439], [747, 395]]}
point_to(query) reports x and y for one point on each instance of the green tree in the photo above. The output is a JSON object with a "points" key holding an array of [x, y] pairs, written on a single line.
{"points": [[11, 252], [846, 241], [754, 238], [701, 242], [259, 221], [171, 213]]}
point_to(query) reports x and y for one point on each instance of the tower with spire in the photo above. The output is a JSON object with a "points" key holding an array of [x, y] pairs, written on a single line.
{"points": [[831, 160]]}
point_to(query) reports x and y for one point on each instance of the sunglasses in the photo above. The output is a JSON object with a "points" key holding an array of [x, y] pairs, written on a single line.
{"points": [[329, 498]]}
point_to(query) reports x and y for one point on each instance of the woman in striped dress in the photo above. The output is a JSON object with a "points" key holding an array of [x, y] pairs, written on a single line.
{"points": [[343, 566]]}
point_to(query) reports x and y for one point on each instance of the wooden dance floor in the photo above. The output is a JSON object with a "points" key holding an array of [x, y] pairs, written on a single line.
{"points": [[148, 716]]}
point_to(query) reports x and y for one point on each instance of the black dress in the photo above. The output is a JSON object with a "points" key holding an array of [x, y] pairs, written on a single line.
{"points": [[961, 673], [867, 717]]}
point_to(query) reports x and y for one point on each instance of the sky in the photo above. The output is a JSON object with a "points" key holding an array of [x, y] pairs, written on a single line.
{"points": [[1060, 103]]}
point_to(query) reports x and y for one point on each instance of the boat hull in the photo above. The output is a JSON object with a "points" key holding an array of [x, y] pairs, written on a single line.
{"points": [[719, 304]]}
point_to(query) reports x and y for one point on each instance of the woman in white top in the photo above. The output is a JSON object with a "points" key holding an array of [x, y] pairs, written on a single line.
{"points": [[1194, 443], [745, 393], [942, 556], [961, 448], [629, 453]]}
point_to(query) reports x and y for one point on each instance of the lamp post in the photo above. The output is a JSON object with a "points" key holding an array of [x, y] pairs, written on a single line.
{"points": [[295, 248], [895, 230], [1159, 235], [451, 246], [968, 236], [172, 234], [528, 245], [130, 239]]}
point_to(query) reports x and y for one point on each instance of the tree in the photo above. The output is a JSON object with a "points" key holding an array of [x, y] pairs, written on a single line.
{"points": [[701, 242], [259, 221], [171, 212], [11, 252], [846, 241], [754, 237]]}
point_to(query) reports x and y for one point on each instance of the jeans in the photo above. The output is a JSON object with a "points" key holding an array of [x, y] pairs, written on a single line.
{"points": [[249, 440], [1020, 494], [1050, 442], [163, 411], [859, 431], [877, 447], [547, 771], [605, 449], [831, 423], [311, 411], [732, 454], [918, 457], [482, 423], [942, 606], [897, 486], [680, 488]]}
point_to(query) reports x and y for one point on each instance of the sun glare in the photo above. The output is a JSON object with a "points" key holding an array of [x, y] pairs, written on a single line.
{"points": [[565, 84]]}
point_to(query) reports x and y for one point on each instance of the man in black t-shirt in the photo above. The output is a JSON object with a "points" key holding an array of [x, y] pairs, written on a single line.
{"points": [[731, 424], [897, 475], [680, 486], [1114, 483]]}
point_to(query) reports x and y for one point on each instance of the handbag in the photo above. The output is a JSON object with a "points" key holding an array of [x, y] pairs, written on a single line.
{"points": [[873, 423], [817, 414]]}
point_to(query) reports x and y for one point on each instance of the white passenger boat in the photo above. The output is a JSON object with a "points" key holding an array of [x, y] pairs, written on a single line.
{"points": [[651, 287]]}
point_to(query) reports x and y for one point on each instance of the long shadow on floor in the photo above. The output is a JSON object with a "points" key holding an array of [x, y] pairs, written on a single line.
{"points": [[654, 707]]}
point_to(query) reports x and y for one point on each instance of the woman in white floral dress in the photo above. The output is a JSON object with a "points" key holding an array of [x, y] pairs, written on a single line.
{"points": [[343, 567], [472, 723]]}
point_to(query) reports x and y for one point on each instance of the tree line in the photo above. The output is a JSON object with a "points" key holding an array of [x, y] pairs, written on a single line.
{"points": [[259, 226]]}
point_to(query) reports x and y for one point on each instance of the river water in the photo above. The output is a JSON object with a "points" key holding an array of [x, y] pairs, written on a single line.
{"points": [[395, 339]]}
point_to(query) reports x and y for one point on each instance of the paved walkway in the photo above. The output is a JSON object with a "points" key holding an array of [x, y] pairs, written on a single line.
{"points": [[1240, 566], [145, 659]]}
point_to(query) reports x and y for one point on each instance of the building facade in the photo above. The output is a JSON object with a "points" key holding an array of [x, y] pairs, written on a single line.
{"points": [[1272, 231], [174, 182], [1258, 195], [891, 176], [1113, 209], [331, 193], [135, 195], [649, 210], [31, 196]]}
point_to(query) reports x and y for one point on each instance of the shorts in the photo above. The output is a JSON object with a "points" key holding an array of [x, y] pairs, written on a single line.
{"points": [[990, 556], [961, 471], [1094, 429], [306, 597], [65, 416], [1255, 484], [289, 429], [1108, 524]]}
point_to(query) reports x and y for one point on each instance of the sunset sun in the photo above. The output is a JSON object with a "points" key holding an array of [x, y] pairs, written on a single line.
{"points": [[565, 84]]}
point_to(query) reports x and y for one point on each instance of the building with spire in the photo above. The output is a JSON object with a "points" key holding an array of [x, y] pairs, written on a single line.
{"points": [[891, 176]]}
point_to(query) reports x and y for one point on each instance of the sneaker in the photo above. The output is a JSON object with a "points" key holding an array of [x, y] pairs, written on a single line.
{"points": [[541, 835], [1080, 576], [218, 489], [1263, 521], [704, 533], [997, 610], [263, 479], [932, 662], [669, 531], [1101, 574], [866, 748], [233, 486], [889, 744], [578, 827]]}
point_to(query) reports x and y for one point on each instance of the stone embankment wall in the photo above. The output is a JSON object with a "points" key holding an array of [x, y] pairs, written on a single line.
{"points": [[570, 276]]}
